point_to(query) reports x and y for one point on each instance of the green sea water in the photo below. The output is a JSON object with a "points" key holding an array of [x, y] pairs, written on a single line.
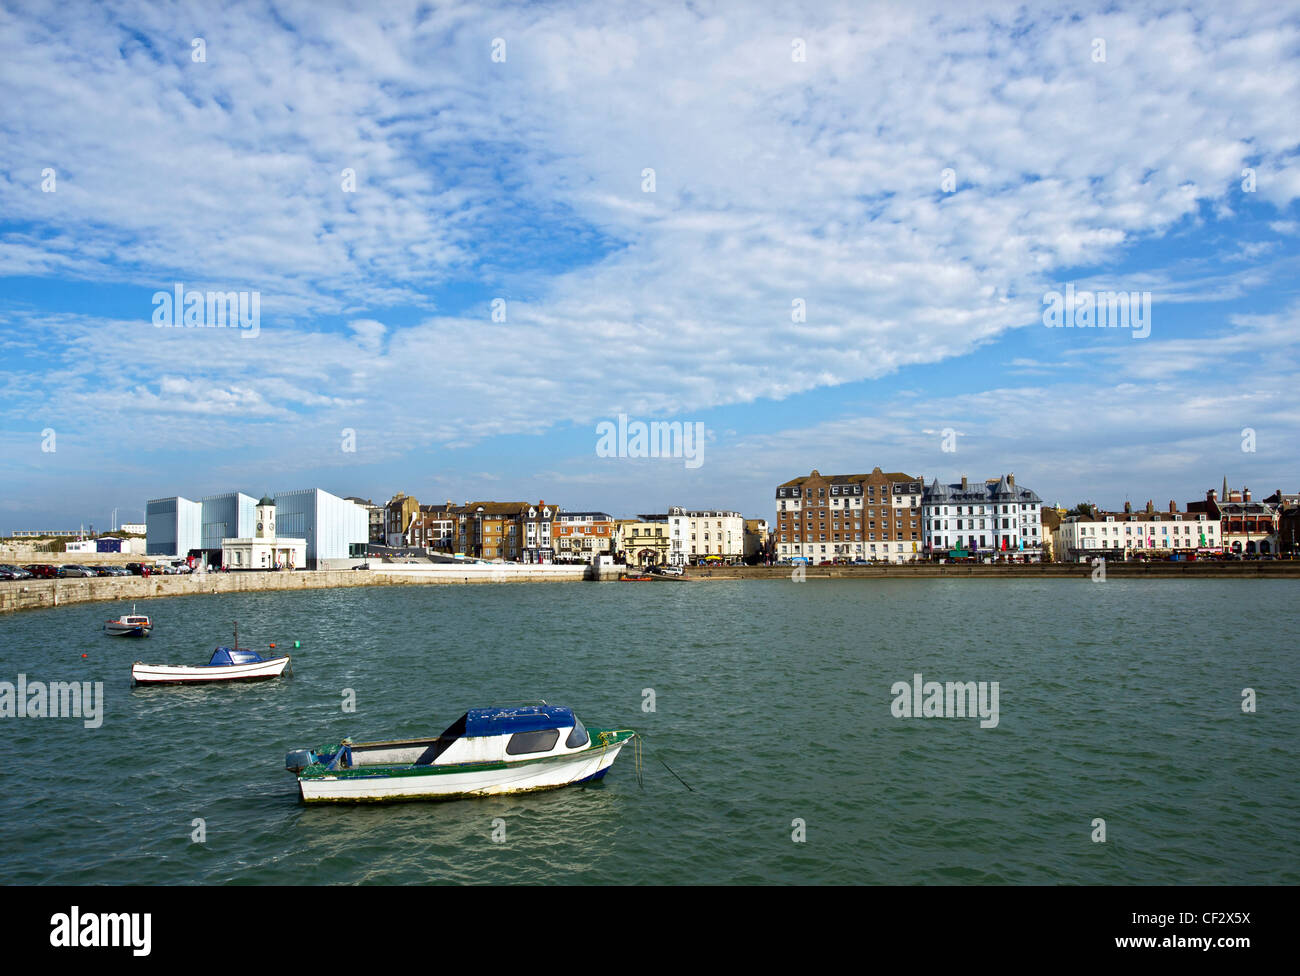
{"points": [[1118, 701]]}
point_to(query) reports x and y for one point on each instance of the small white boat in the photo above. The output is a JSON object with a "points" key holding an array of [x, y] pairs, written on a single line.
{"points": [[129, 625], [487, 751], [227, 664]]}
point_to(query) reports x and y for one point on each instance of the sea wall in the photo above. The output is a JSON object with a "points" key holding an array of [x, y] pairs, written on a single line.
{"points": [[33, 594], [483, 572], [1264, 569]]}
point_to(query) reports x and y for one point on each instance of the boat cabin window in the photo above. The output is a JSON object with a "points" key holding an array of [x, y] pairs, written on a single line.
{"points": [[578, 737], [522, 743]]}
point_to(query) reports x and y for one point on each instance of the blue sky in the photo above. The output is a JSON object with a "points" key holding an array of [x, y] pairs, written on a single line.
{"points": [[1171, 167]]}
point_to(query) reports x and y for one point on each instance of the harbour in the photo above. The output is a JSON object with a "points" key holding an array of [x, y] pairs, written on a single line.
{"points": [[760, 704]]}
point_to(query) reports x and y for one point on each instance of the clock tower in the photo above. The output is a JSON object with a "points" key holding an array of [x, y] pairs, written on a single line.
{"points": [[265, 518]]}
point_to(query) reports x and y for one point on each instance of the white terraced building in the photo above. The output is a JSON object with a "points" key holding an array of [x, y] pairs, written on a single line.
{"points": [[1122, 535], [697, 535], [984, 519]]}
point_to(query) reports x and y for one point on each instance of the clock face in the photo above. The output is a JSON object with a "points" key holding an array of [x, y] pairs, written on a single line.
{"points": [[259, 526]]}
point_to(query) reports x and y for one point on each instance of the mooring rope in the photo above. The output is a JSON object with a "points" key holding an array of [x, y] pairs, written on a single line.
{"points": [[678, 778], [638, 755]]}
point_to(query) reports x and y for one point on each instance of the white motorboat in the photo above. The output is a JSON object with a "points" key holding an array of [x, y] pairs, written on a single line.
{"points": [[487, 751], [129, 625], [227, 664]]}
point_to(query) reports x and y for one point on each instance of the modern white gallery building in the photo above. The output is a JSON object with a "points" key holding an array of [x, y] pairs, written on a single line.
{"points": [[334, 531]]}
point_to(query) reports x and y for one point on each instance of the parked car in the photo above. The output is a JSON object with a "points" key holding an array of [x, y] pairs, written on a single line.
{"points": [[42, 570], [11, 573]]}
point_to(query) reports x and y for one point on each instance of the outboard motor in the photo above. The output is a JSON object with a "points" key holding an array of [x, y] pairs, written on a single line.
{"points": [[298, 760]]}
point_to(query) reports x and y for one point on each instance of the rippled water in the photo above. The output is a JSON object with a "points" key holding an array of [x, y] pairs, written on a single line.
{"points": [[1118, 700]]}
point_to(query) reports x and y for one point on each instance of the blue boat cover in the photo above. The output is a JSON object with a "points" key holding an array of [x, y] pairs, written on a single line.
{"points": [[521, 718], [224, 656]]}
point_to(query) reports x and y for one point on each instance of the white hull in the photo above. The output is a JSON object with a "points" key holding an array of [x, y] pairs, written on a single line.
{"points": [[166, 674], [512, 778]]}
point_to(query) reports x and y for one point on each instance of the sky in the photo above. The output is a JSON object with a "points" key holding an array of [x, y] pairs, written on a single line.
{"points": [[827, 233]]}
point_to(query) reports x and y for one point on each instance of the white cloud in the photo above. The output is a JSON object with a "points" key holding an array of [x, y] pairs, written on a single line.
{"points": [[775, 181]]}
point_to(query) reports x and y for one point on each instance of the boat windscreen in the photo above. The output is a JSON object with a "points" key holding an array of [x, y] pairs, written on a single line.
{"points": [[578, 736], [224, 656], [456, 729]]}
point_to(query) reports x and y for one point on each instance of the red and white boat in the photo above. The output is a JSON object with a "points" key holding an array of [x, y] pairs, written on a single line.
{"points": [[129, 625]]}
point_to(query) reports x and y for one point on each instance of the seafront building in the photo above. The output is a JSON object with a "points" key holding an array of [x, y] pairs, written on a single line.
{"points": [[510, 531], [848, 517], [173, 526], [225, 516], [644, 540], [265, 548], [1123, 535], [1247, 527], [538, 532], [335, 531], [1288, 531], [375, 515], [580, 536], [399, 513], [1052, 516], [995, 518], [433, 528], [698, 535], [490, 530], [757, 539]]}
